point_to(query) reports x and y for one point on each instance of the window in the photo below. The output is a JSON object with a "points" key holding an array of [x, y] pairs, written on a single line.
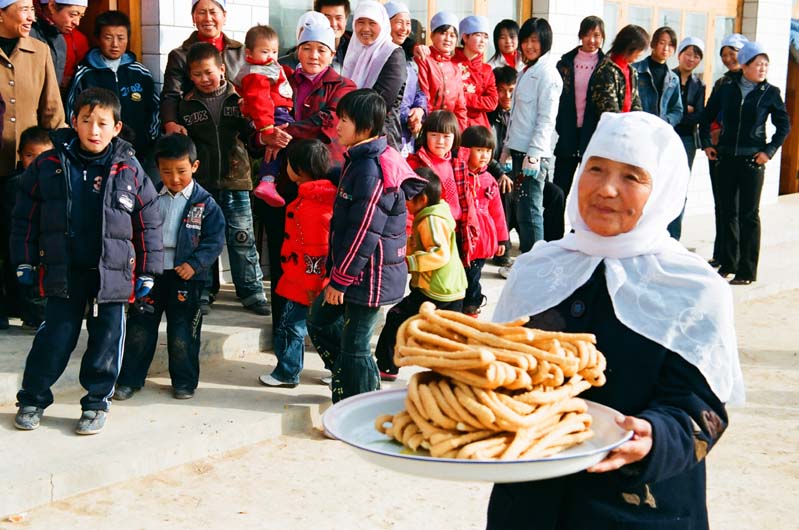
{"points": [[284, 20], [500, 11], [640, 16], [696, 26], [610, 15], [724, 26]]}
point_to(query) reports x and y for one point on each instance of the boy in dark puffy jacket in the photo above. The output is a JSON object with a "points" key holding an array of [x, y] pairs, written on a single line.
{"points": [[111, 66], [86, 220], [194, 235], [366, 263]]}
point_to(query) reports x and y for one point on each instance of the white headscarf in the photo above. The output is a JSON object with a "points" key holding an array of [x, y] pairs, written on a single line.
{"points": [[310, 18], [658, 288], [363, 63]]}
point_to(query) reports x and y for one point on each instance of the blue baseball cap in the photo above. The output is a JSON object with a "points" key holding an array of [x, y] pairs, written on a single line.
{"points": [[750, 50]]}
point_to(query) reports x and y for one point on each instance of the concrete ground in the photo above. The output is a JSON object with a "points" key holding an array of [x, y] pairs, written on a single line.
{"points": [[240, 455]]}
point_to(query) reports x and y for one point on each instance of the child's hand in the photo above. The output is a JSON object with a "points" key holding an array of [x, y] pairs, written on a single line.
{"points": [[500, 251], [333, 296], [185, 271]]}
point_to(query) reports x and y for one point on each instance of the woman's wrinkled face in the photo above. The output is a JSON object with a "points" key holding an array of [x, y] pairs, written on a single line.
{"points": [[17, 19], [444, 41], [209, 18], [67, 17], [592, 40], [367, 30], [689, 59], [508, 42], [314, 57], [400, 27], [729, 56], [756, 70], [611, 195]]}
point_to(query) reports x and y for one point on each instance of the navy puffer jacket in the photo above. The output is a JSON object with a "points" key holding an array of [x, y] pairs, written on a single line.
{"points": [[131, 223], [367, 231]]}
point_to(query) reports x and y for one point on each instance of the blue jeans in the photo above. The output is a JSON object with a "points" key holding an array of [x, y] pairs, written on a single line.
{"points": [[341, 335], [290, 342], [245, 266], [529, 195]]}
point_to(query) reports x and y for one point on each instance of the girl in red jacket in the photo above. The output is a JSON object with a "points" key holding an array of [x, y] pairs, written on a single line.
{"points": [[479, 85], [486, 203], [303, 255], [439, 77]]}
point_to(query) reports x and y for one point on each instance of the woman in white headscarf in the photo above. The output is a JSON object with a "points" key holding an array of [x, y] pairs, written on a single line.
{"points": [[662, 317], [374, 61]]}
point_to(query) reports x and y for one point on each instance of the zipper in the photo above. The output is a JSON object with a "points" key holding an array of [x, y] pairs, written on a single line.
{"points": [[740, 113], [218, 139], [65, 167]]}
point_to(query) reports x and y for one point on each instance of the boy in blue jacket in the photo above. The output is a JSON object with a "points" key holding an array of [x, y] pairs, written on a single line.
{"points": [[367, 245], [87, 218], [111, 66], [194, 235]]}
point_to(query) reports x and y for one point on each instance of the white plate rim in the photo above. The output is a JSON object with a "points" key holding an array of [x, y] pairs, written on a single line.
{"points": [[332, 412]]}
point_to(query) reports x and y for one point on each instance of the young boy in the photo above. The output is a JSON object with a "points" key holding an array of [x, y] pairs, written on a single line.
{"points": [[194, 235], [87, 217], [437, 273], [211, 115], [24, 300], [267, 98], [491, 231], [111, 66], [366, 263]]}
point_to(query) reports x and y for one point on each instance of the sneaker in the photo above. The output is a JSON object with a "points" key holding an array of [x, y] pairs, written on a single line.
{"points": [[91, 422], [124, 392], [502, 261], [504, 272], [182, 393], [386, 376], [28, 417], [268, 380], [261, 307]]}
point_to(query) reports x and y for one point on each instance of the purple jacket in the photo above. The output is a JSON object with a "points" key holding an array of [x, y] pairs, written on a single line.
{"points": [[413, 97]]}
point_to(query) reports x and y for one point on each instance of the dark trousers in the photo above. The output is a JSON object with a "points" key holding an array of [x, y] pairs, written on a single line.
{"points": [[554, 209], [180, 300], [474, 291], [565, 167], [341, 335], [398, 314], [58, 335], [741, 182], [714, 186]]}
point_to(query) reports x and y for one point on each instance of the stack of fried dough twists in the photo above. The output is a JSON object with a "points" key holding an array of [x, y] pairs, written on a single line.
{"points": [[495, 391]]}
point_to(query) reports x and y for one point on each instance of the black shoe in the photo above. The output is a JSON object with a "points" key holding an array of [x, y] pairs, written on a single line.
{"points": [[91, 422], [4, 323], [724, 273], [714, 263], [503, 261], [182, 393], [28, 417], [205, 308], [261, 307], [124, 392], [740, 281]]}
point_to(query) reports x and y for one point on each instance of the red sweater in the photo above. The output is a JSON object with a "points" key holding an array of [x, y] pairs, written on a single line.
{"points": [[306, 242], [487, 205], [479, 88], [440, 80], [264, 86]]}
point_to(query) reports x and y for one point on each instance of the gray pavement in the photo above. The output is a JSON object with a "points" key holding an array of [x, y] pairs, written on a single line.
{"points": [[152, 432]]}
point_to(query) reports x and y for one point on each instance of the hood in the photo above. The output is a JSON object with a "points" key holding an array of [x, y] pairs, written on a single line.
{"points": [[441, 210], [95, 59], [321, 190], [397, 172]]}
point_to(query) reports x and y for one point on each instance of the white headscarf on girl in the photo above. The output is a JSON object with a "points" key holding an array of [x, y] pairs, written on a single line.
{"points": [[363, 63], [658, 288]]}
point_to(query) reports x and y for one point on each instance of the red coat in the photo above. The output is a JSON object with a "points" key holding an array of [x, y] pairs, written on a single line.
{"points": [[479, 88], [487, 205], [306, 242], [77, 48], [264, 87], [440, 80]]}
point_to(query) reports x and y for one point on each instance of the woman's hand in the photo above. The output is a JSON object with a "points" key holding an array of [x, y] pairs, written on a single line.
{"points": [[761, 158], [333, 296], [711, 153], [173, 127], [629, 452], [421, 52], [415, 117], [505, 184], [278, 138]]}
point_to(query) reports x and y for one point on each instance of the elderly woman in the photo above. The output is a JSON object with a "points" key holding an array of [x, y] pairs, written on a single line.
{"points": [[28, 82], [58, 28], [662, 317], [374, 61], [209, 17]]}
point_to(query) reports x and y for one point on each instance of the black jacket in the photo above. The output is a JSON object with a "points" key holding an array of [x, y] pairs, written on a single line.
{"points": [[666, 490], [570, 138], [47, 33], [743, 123], [130, 223], [694, 95], [390, 85]]}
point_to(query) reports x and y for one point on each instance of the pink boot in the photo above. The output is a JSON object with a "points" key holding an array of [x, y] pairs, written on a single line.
{"points": [[267, 192]]}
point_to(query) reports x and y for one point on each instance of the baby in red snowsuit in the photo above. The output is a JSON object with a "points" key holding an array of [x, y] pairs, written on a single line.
{"points": [[267, 99]]}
